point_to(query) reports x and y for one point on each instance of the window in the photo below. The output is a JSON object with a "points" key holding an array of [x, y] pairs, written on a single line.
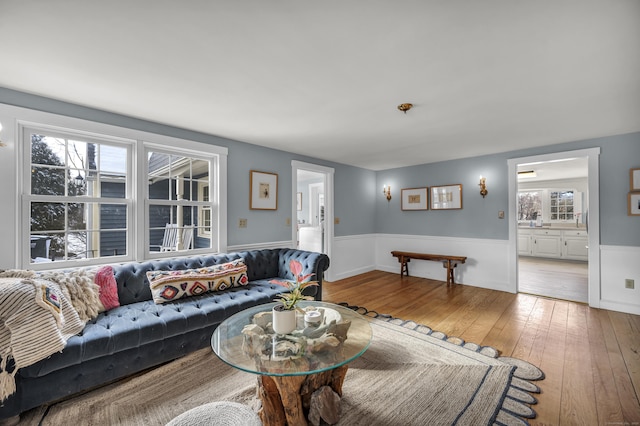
{"points": [[94, 194], [529, 205], [561, 205], [76, 197], [179, 207]]}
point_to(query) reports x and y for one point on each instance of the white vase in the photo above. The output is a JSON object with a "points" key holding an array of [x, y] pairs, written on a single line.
{"points": [[284, 320]]}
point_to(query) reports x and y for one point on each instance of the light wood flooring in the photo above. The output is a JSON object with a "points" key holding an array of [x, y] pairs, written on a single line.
{"points": [[591, 357], [560, 279]]}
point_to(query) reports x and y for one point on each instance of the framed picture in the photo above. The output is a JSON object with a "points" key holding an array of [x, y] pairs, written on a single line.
{"points": [[446, 197], [264, 191], [634, 176], [299, 201], [634, 203], [414, 199]]}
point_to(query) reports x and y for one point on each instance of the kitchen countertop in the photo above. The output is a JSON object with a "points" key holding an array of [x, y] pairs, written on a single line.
{"points": [[567, 227]]}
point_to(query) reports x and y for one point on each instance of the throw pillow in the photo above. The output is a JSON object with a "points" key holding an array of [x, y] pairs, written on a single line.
{"points": [[172, 285], [105, 279]]}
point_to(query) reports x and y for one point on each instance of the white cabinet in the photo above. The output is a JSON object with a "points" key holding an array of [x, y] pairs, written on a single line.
{"points": [[575, 245], [524, 242], [553, 243], [547, 243]]}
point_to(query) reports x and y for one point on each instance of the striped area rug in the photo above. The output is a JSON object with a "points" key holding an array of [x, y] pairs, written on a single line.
{"points": [[410, 375]]}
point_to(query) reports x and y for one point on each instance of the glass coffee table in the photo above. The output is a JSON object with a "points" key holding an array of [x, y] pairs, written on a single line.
{"points": [[292, 367]]}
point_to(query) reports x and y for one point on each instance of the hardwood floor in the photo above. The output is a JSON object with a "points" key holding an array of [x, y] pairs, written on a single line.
{"points": [[591, 357], [560, 279]]}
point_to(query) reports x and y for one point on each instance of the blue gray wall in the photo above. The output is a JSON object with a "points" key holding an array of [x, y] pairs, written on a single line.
{"points": [[479, 217], [359, 203]]}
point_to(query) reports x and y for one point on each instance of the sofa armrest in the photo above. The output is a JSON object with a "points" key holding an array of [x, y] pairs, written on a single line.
{"points": [[312, 263]]}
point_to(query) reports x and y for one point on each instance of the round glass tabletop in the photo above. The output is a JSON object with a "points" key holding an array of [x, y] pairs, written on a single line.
{"points": [[246, 340]]}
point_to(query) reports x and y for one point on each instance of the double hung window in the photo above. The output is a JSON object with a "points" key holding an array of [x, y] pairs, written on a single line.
{"points": [[179, 204], [93, 198], [76, 196]]}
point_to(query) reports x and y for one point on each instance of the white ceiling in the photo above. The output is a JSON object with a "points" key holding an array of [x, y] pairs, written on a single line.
{"points": [[324, 78], [566, 168]]}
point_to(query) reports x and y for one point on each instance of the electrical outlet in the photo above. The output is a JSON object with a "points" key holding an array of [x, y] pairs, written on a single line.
{"points": [[629, 283], [242, 223], [336, 221], [288, 221], [501, 214]]}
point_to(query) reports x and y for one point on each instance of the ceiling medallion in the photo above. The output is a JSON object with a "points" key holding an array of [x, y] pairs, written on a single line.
{"points": [[404, 107]]}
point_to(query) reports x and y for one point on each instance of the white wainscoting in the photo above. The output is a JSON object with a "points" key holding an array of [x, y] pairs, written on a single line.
{"points": [[617, 264], [352, 255], [485, 267]]}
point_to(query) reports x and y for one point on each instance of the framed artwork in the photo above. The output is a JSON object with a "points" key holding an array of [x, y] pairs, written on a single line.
{"points": [[299, 201], [414, 199], [634, 176], [446, 197], [634, 203], [264, 191]]}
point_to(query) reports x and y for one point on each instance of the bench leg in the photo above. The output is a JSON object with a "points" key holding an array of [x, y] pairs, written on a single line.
{"points": [[404, 266], [449, 265]]}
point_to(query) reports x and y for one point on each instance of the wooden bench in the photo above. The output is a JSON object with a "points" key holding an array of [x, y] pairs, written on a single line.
{"points": [[449, 262]]}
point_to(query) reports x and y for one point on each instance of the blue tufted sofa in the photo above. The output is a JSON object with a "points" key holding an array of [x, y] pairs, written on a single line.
{"points": [[140, 334]]}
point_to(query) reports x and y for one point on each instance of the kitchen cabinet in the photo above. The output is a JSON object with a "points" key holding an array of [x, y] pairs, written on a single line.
{"points": [[553, 243], [575, 245], [547, 243], [524, 242]]}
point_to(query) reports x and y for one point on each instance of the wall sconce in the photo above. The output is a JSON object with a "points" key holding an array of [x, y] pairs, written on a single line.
{"points": [[483, 187], [386, 190]]}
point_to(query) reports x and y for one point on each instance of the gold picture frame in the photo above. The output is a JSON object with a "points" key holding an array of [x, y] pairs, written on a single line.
{"points": [[633, 201], [414, 199], [263, 191], [634, 179], [446, 197]]}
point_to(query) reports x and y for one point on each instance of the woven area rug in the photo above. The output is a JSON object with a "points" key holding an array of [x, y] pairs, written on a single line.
{"points": [[410, 375]]}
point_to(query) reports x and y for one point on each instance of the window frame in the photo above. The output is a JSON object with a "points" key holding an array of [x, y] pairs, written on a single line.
{"points": [[137, 245], [212, 204]]}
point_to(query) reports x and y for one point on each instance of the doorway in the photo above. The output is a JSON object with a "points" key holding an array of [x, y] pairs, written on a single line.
{"points": [[552, 235], [544, 256], [312, 228]]}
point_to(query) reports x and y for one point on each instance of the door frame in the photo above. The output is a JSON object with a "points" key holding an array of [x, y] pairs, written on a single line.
{"points": [[328, 173], [593, 209]]}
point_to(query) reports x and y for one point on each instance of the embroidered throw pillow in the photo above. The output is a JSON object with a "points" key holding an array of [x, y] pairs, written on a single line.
{"points": [[172, 285], [105, 279]]}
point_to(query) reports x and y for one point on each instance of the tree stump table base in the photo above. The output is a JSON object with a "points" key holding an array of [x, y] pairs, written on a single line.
{"points": [[288, 400]]}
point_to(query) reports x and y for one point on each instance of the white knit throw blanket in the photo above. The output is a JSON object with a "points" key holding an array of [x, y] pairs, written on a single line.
{"points": [[38, 316]]}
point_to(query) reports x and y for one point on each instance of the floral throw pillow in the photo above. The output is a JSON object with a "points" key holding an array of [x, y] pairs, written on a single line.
{"points": [[167, 286]]}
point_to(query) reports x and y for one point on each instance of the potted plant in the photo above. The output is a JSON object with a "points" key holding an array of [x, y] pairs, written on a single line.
{"points": [[284, 314]]}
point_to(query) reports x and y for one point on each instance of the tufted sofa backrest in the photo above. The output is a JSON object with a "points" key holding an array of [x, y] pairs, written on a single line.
{"points": [[133, 285]]}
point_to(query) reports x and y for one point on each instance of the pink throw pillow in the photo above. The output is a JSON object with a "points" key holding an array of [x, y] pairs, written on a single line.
{"points": [[108, 287]]}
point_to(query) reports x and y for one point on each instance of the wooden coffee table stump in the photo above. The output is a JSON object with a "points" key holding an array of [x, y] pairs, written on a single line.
{"points": [[300, 374], [290, 400]]}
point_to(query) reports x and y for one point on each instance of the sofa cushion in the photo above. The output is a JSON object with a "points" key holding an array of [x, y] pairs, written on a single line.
{"points": [[167, 286]]}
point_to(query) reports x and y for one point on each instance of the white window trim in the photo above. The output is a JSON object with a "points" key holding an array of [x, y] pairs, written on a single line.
{"points": [[12, 163], [194, 151]]}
